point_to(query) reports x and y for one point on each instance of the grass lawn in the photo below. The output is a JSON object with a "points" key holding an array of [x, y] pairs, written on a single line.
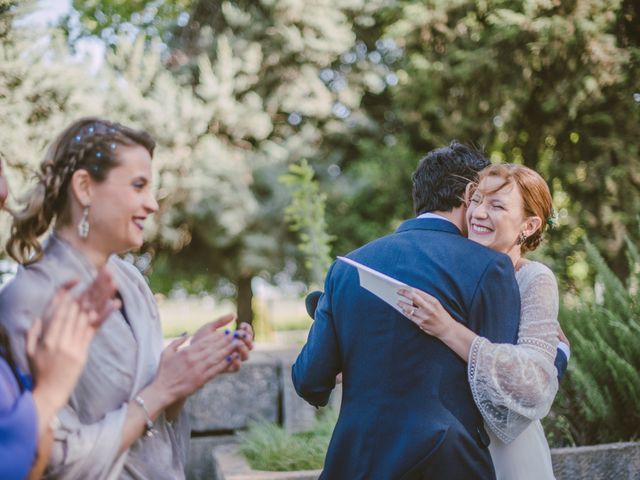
{"points": [[189, 314]]}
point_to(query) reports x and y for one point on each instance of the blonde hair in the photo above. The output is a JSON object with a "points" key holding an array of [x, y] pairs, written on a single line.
{"points": [[536, 197], [90, 144]]}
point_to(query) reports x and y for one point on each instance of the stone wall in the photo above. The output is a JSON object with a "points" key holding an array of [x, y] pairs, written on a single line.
{"points": [[615, 461]]}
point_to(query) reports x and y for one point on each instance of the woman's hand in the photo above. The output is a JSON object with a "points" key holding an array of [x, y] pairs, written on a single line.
{"points": [[243, 335], [183, 371], [58, 351], [243, 341], [426, 311], [58, 354], [99, 297], [562, 337]]}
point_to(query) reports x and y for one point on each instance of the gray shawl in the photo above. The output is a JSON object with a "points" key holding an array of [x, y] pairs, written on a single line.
{"points": [[123, 359]]}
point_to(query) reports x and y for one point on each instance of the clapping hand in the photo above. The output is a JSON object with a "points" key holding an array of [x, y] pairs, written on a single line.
{"points": [[99, 297], [57, 352], [182, 371], [186, 368], [57, 346], [242, 337]]}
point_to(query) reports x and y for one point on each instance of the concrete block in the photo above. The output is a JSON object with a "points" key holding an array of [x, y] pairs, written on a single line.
{"points": [[200, 461], [613, 461], [230, 401]]}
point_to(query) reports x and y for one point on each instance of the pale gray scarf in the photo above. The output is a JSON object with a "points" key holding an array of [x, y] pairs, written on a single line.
{"points": [[123, 359]]}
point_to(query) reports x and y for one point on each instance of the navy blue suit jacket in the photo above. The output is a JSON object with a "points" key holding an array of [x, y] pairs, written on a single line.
{"points": [[561, 363], [407, 411]]}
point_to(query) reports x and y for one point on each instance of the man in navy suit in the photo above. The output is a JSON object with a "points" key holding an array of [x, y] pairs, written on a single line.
{"points": [[407, 411]]}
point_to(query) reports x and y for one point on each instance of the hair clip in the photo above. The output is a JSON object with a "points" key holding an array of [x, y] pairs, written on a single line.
{"points": [[552, 220]]}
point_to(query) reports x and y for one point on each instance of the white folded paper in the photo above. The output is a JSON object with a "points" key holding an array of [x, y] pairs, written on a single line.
{"points": [[381, 285]]}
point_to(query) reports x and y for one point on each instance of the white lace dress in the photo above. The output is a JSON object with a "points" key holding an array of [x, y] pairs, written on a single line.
{"points": [[514, 385]]}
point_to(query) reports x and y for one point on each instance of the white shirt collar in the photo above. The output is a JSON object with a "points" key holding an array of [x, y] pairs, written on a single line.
{"points": [[434, 215]]}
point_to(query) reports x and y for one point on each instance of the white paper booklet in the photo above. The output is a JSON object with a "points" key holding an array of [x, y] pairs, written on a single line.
{"points": [[381, 285]]}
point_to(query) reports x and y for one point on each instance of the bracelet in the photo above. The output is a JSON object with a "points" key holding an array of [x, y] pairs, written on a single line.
{"points": [[149, 431]]}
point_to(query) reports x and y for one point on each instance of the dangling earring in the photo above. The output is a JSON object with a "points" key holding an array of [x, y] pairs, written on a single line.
{"points": [[83, 226], [522, 238]]}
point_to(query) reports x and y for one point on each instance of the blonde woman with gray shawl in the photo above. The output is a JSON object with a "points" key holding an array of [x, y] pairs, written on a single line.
{"points": [[124, 418]]}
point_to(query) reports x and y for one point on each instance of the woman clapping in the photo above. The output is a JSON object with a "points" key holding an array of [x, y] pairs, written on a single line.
{"points": [[57, 356], [125, 418]]}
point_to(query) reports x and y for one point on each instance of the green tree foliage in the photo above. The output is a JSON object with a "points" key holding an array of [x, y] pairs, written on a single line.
{"points": [[233, 94], [5, 18], [256, 67], [553, 85], [598, 400], [374, 196], [306, 215], [197, 174]]}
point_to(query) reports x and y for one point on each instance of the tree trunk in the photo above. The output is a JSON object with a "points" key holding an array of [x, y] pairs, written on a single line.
{"points": [[244, 299]]}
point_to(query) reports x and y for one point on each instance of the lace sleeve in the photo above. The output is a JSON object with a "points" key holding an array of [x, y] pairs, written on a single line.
{"points": [[513, 385]]}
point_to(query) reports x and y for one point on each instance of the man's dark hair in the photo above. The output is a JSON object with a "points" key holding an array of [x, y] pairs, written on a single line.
{"points": [[442, 175]]}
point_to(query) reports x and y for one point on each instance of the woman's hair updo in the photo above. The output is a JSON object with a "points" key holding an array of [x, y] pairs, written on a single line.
{"points": [[89, 144]]}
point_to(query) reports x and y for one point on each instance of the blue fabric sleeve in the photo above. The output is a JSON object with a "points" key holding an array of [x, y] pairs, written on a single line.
{"points": [[314, 372], [561, 363], [495, 309], [18, 438]]}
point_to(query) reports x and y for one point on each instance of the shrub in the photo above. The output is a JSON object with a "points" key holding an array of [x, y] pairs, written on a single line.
{"points": [[269, 447], [599, 399]]}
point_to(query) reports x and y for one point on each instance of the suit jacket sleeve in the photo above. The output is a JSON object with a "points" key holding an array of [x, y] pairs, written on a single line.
{"points": [[495, 308], [561, 363], [314, 371]]}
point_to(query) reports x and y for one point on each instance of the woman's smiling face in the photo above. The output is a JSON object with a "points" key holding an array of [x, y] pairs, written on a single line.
{"points": [[495, 216], [121, 203]]}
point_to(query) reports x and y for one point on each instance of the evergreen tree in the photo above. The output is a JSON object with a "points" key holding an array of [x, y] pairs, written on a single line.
{"points": [[553, 85], [232, 96], [598, 401]]}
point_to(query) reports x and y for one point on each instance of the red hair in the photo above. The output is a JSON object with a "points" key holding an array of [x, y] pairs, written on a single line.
{"points": [[536, 197]]}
